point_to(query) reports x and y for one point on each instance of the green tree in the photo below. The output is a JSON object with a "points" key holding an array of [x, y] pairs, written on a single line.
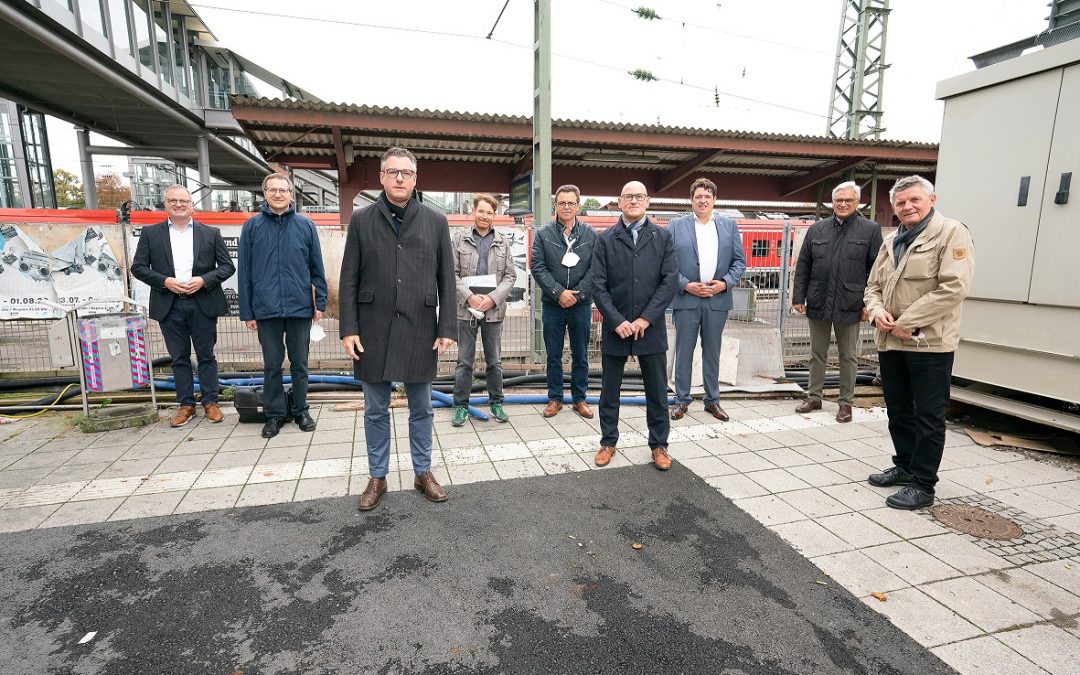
{"points": [[69, 191], [590, 204], [111, 191]]}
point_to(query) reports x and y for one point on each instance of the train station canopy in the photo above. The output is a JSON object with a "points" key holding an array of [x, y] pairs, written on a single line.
{"points": [[463, 152]]}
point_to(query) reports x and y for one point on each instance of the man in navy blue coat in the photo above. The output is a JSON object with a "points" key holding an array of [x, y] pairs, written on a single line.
{"points": [[282, 289], [634, 277], [711, 261]]}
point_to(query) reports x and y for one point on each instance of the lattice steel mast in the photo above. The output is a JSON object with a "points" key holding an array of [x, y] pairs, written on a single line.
{"points": [[855, 106]]}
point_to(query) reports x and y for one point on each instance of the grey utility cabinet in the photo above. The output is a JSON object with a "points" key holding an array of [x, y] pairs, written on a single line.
{"points": [[1009, 167]]}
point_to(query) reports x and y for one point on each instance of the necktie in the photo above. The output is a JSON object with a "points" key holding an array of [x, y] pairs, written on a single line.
{"points": [[634, 233]]}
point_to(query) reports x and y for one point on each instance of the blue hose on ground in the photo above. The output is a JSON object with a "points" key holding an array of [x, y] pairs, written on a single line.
{"points": [[444, 400], [541, 399], [448, 401]]}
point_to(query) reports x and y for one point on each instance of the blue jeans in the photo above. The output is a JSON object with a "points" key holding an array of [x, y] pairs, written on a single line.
{"points": [[557, 322], [296, 333], [377, 426]]}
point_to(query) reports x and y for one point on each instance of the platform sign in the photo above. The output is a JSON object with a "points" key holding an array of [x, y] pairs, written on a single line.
{"points": [[521, 195]]}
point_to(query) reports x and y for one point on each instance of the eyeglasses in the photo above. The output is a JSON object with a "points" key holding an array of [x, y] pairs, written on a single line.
{"points": [[845, 201], [177, 202], [634, 198], [565, 205], [277, 191], [407, 174]]}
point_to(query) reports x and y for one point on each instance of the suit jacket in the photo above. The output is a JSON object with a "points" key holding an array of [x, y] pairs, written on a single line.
{"points": [[730, 261], [153, 263], [634, 281], [397, 291]]}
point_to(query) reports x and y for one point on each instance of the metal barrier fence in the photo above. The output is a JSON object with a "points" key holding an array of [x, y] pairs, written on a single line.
{"points": [[24, 350]]}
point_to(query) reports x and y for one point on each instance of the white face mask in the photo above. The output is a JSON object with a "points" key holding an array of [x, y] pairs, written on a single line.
{"points": [[921, 342], [570, 259], [317, 332]]}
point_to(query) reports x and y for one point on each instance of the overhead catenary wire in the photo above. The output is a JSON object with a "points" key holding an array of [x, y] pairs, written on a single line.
{"points": [[489, 38]]}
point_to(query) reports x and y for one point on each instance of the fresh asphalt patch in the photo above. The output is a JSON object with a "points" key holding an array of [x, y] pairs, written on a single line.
{"points": [[535, 575]]}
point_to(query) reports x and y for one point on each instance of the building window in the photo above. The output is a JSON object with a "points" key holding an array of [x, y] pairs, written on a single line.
{"points": [[143, 43], [10, 196], [92, 16], [179, 49], [121, 29], [38, 162], [219, 84], [161, 40]]}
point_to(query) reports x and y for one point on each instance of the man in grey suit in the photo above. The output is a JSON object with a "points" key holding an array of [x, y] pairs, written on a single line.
{"points": [[711, 261]]}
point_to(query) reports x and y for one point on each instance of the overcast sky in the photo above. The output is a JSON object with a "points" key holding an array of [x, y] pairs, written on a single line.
{"points": [[771, 62]]}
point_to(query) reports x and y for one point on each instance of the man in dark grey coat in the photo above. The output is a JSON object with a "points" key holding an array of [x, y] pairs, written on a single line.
{"points": [[397, 295], [635, 274], [830, 277]]}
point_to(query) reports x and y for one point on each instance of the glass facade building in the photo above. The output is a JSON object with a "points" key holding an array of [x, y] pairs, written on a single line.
{"points": [[150, 48]]}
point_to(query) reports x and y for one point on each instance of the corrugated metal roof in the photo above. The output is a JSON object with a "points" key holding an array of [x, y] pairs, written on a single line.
{"points": [[288, 104]]}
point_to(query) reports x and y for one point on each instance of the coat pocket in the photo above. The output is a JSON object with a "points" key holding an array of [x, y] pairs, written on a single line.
{"points": [[365, 296], [853, 296], [431, 300]]}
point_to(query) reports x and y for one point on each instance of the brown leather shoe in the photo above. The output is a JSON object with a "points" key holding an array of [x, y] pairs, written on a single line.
{"points": [[678, 411], [184, 415], [583, 410], [844, 414], [809, 405], [369, 498], [427, 484], [603, 457], [716, 411], [660, 459], [552, 409], [213, 413]]}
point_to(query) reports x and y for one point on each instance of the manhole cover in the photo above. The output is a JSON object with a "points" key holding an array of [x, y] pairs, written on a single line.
{"points": [[976, 522]]}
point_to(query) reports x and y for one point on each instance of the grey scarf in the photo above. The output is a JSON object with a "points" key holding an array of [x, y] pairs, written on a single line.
{"points": [[904, 237]]}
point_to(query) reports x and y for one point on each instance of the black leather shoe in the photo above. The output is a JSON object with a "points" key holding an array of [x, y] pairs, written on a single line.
{"points": [[272, 427], [304, 421], [910, 498], [894, 475]]}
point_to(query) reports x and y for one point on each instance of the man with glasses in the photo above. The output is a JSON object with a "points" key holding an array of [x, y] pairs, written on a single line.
{"points": [[397, 312], [282, 290], [562, 253], [481, 252], [184, 263], [711, 262], [635, 275], [830, 277]]}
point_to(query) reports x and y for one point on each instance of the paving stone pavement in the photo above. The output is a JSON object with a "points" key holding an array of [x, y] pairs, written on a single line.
{"points": [[982, 606]]}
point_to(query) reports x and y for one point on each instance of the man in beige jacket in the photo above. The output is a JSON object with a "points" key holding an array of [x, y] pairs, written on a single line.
{"points": [[913, 297]]}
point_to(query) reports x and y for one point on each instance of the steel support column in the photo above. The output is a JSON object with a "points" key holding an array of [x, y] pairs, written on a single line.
{"points": [[541, 155], [203, 148], [86, 163]]}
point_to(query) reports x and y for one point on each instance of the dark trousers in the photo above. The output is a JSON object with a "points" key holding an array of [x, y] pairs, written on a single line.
{"points": [[186, 323], [296, 333], [557, 322], [654, 374], [916, 389], [491, 337]]}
